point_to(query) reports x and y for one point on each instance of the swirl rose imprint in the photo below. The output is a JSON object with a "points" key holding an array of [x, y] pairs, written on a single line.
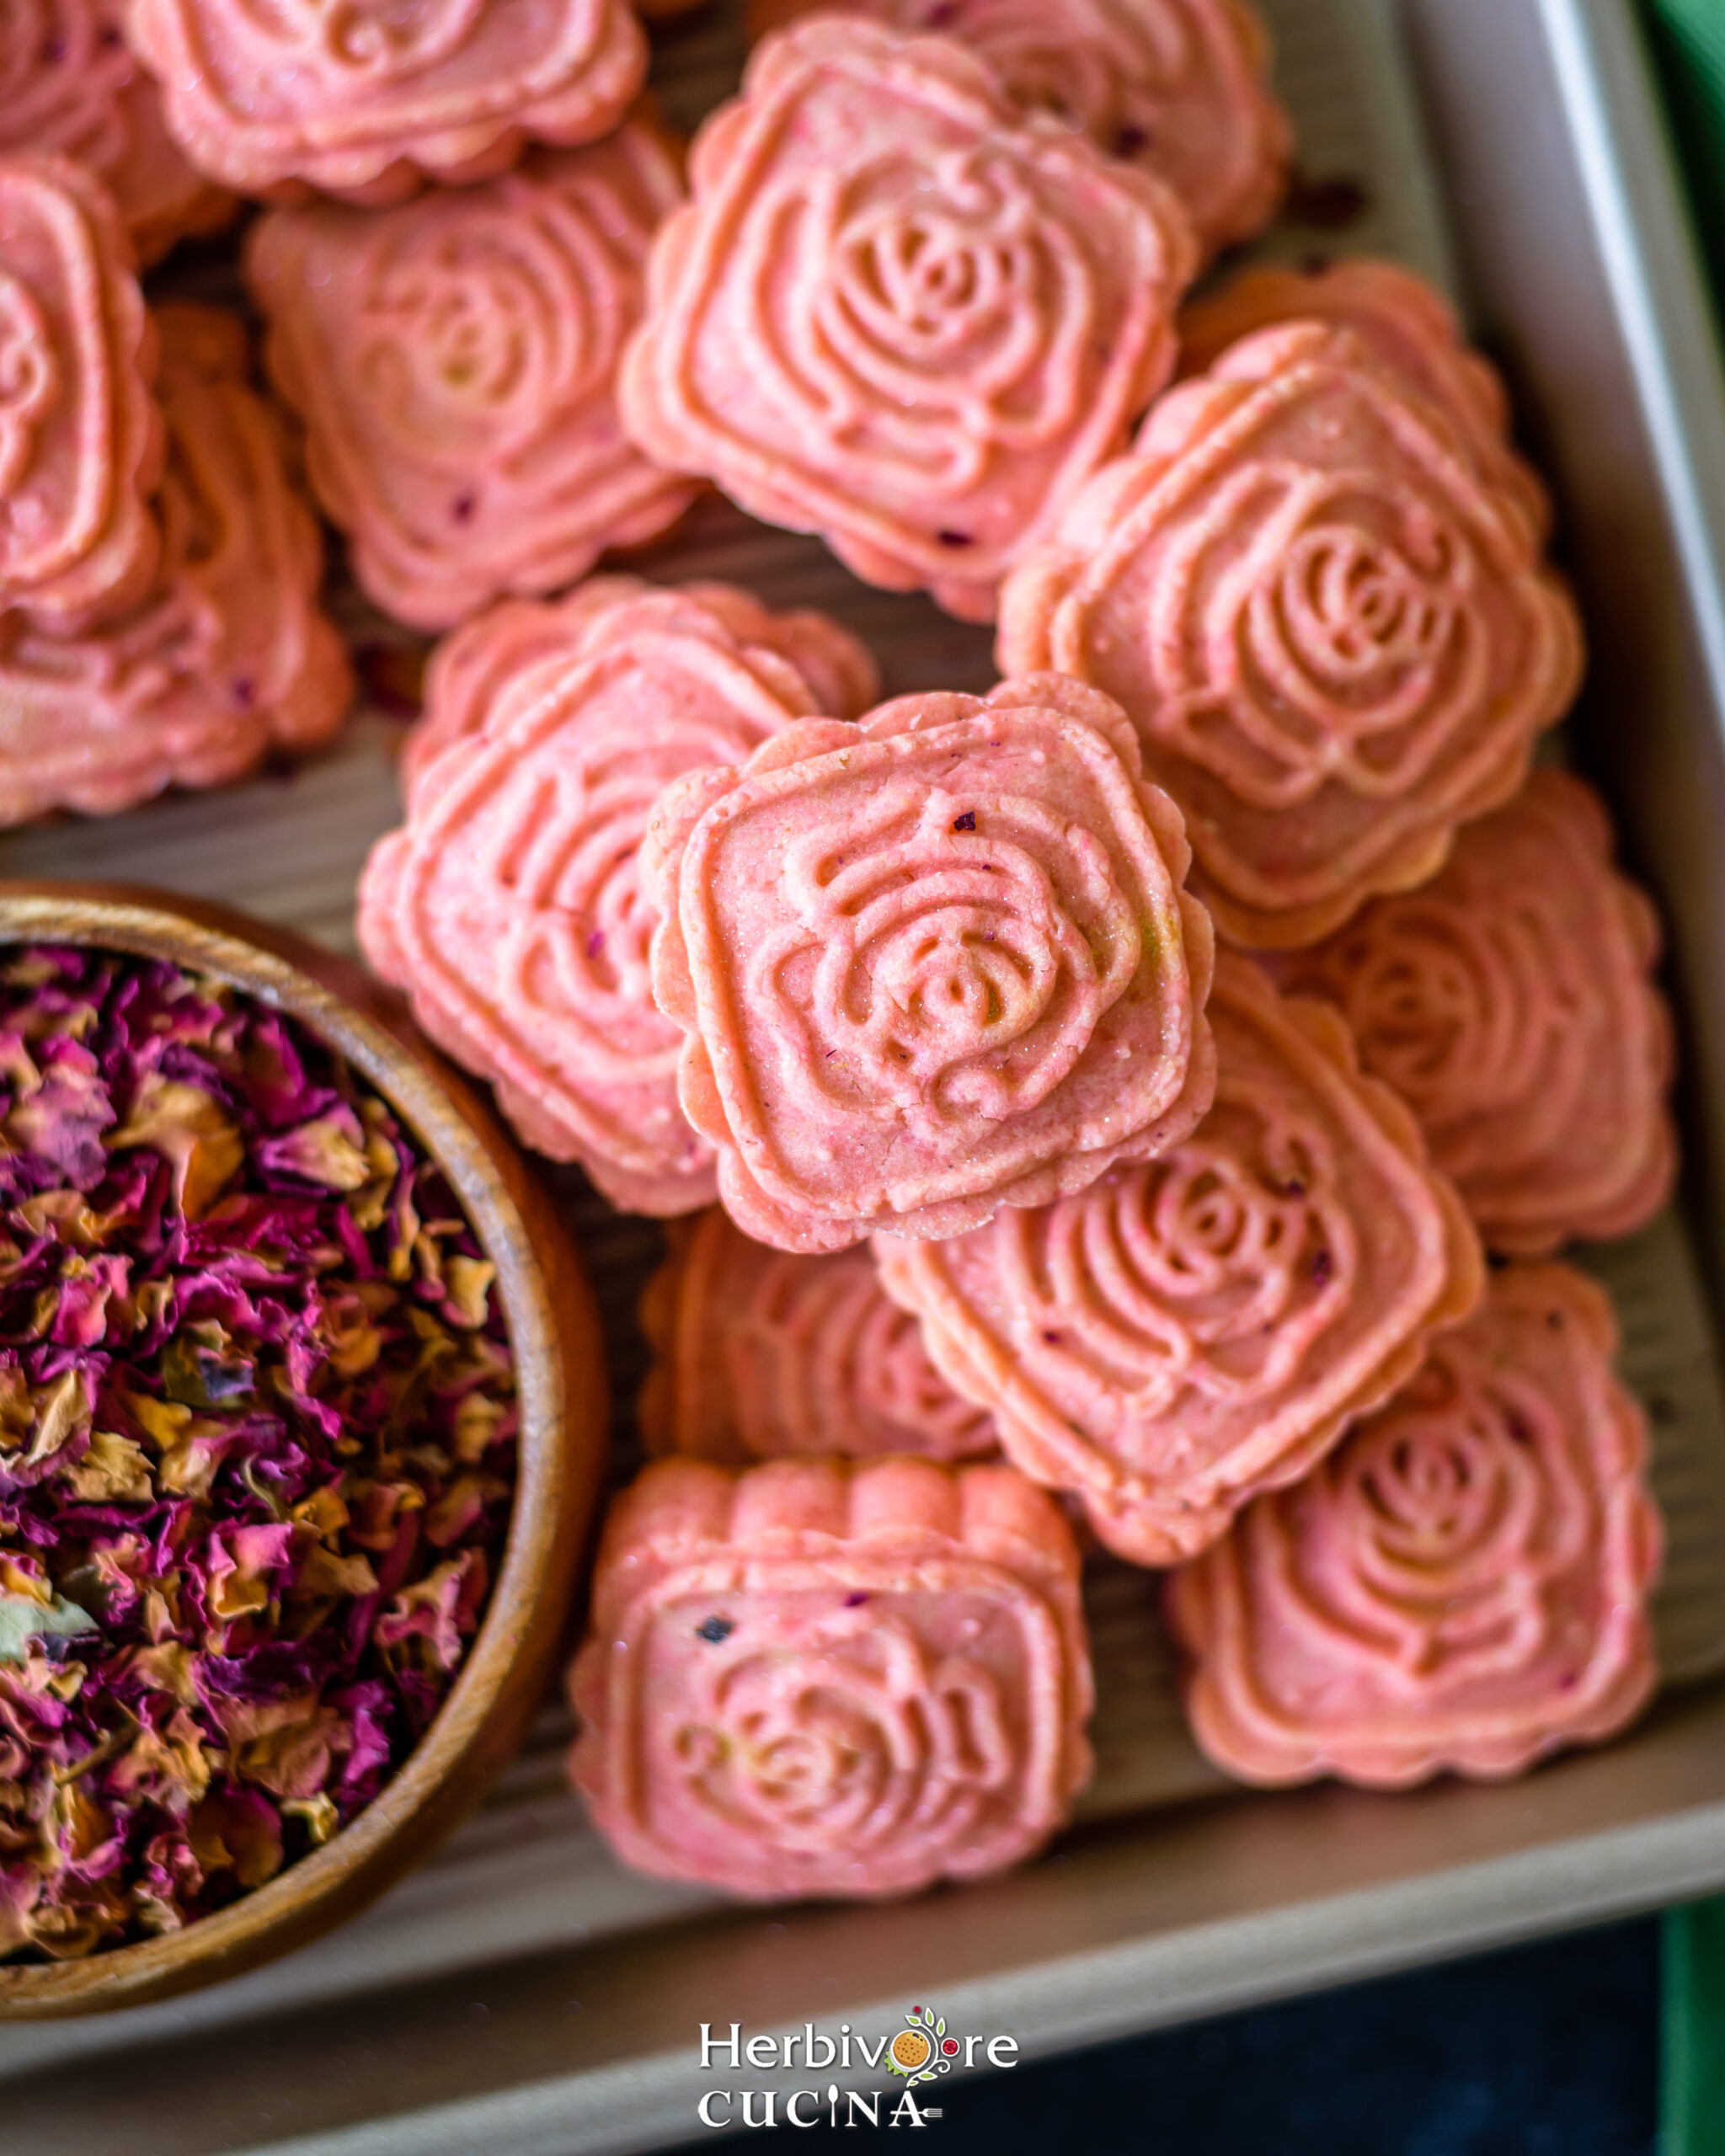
{"points": [[937, 969], [760, 1354], [1462, 1584], [892, 316], [1192, 1330], [806, 1680], [1333, 634]]}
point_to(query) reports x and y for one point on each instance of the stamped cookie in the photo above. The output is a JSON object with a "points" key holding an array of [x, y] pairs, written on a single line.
{"points": [[1509, 1002], [760, 1353], [81, 439], [510, 907], [1194, 1328], [937, 965], [897, 313], [821, 1678], [1179, 87], [228, 655], [366, 97], [1336, 637], [454, 362], [1462, 1584]]}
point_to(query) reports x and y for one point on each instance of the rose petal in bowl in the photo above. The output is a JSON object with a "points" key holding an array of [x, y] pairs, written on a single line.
{"points": [[817, 1679], [1462, 1584], [935, 965]]}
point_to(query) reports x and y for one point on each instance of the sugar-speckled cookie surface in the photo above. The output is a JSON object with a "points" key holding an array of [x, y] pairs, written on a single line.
{"points": [[1462, 1584], [760, 1354], [816, 1678], [1334, 635], [454, 362], [1509, 1002], [896, 314], [939, 964], [1199, 1328]]}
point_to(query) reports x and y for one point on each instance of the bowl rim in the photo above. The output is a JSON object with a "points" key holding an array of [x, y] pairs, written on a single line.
{"points": [[552, 1329]]}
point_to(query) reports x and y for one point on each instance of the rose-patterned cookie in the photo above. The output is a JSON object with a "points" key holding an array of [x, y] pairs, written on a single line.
{"points": [[510, 907], [226, 657], [1334, 634], [825, 1679], [1196, 1328], [1410, 330], [1179, 87], [454, 362], [485, 671], [1508, 1001], [936, 965], [68, 81], [760, 1354], [1462, 1584], [898, 314], [81, 439], [365, 97]]}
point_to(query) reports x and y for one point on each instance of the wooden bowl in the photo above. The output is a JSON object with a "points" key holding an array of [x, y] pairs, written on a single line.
{"points": [[554, 1330]]}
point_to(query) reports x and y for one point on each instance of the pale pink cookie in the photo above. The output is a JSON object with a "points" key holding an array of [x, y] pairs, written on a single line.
{"points": [[511, 908], [68, 82], [1190, 1331], [1508, 1001], [81, 439], [1462, 1584], [365, 98], [898, 314], [1336, 638], [1179, 87], [939, 965], [760, 1353], [816, 1678], [483, 671], [454, 362], [1412, 334], [228, 655]]}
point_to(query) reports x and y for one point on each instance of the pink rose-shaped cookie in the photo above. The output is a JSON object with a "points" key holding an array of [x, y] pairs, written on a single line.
{"points": [[1190, 1331], [1179, 87], [934, 966], [485, 670], [364, 96], [1334, 633], [68, 81], [1508, 1001], [816, 1678], [81, 439], [760, 1354], [510, 908], [899, 315], [454, 360], [1462, 1584], [226, 657]]}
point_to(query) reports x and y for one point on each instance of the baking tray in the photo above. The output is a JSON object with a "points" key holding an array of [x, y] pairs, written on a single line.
{"points": [[521, 1992]]}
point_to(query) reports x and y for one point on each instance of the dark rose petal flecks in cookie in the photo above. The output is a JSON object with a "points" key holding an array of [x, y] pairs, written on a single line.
{"points": [[1194, 1329], [822, 1678], [1462, 1584]]}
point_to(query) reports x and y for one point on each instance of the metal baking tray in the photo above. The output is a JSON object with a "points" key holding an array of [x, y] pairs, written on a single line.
{"points": [[522, 1993]]}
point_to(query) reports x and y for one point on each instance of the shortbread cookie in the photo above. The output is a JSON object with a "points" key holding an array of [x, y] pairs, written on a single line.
{"points": [[1194, 1328], [1508, 1001], [932, 967], [454, 360], [1462, 1584], [816, 1678], [366, 97], [760, 1353], [1335, 636], [898, 314]]}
